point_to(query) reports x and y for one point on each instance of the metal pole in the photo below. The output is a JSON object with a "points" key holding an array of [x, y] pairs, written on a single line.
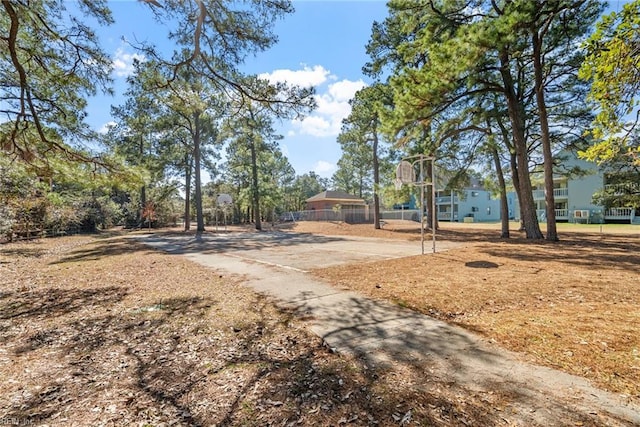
{"points": [[433, 204], [422, 203]]}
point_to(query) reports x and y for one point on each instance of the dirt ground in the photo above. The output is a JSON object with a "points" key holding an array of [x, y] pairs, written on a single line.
{"points": [[572, 305], [99, 330]]}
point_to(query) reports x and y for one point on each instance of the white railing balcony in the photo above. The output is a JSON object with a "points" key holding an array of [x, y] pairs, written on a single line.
{"points": [[560, 214], [561, 193], [538, 194], [618, 213], [558, 193], [624, 188]]}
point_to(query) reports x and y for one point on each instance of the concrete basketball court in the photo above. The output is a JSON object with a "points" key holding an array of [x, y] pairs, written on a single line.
{"points": [[295, 251], [276, 264]]}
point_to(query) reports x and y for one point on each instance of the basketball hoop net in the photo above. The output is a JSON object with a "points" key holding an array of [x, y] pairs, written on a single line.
{"points": [[398, 183]]}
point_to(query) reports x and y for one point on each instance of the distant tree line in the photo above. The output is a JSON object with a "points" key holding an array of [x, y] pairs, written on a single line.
{"points": [[497, 88], [500, 88]]}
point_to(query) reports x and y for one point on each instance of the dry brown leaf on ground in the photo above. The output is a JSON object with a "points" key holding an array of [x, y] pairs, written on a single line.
{"points": [[99, 331], [573, 305]]}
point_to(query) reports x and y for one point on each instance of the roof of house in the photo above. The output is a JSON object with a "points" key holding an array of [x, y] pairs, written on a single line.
{"points": [[337, 197]]}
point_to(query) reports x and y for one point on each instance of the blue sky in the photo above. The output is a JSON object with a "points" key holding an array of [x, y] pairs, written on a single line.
{"points": [[321, 44]]}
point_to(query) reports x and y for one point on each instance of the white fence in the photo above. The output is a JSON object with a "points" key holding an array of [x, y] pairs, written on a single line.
{"points": [[349, 215], [401, 214]]}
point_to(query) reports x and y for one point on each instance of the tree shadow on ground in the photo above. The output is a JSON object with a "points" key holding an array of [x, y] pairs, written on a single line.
{"points": [[104, 249], [440, 356], [237, 242], [593, 252], [53, 302], [94, 362], [453, 235], [33, 251]]}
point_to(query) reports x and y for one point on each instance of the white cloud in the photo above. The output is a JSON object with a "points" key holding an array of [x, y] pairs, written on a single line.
{"points": [[307, 77], [324, 168], [314, 125], [123, 62], [106, 127], [333, 106], [332, 98], [345, 89]]}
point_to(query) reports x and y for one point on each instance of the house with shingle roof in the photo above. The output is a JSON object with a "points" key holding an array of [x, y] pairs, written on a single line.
{"points": [[337, 206]]}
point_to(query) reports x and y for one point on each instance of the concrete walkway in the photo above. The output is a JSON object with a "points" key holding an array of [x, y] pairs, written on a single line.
{"points": [[276, 264]]}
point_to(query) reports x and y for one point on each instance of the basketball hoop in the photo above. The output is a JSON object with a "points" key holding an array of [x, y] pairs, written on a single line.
{"points": [[223, 203], [224, 200], [405, 173]]}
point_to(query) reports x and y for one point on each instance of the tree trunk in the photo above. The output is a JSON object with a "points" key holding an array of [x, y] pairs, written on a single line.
{"points": [[143, 202], [197, 179], [143, 189], [187, 193], [255, 194], [516, 186], [514, 166], [504, 206], [516, 116], [376, 182], [552, 232]]}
